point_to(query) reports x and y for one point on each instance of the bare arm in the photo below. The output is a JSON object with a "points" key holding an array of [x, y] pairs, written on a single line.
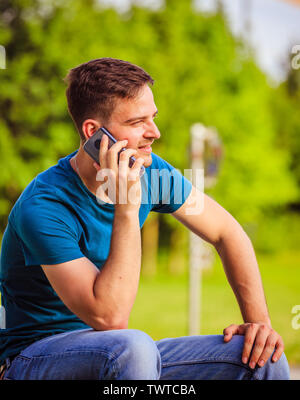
{"points": [[241, 268], [103, 299], [215, 225]]}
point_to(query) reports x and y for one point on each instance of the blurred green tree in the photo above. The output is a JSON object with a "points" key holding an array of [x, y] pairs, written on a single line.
{"points": [[202, 74], [285, 104]]}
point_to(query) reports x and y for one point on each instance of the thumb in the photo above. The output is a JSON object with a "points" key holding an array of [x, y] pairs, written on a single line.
{"points": [[229, 332]]}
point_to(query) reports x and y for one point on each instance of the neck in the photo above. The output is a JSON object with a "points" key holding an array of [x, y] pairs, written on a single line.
{"points": [[83, 166]]}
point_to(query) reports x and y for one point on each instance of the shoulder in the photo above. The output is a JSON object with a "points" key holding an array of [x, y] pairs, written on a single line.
{"points": [[48, 186], [44, 197], [160, 163]]}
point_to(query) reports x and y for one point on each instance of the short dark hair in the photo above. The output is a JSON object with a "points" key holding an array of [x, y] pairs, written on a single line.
{"points": [[94, 87]]}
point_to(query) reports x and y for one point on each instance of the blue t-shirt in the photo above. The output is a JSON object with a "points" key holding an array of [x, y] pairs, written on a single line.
{"points": [[57, 219]]}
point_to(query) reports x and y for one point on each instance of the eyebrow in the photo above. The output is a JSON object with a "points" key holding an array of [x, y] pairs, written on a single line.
{"points": [[137, 118]]}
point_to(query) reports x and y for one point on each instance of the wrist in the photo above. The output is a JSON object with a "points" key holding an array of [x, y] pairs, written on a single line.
{"points": [[265, 321], [125, 212]]}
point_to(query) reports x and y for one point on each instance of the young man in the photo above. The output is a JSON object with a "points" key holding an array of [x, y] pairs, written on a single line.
{"points": [[71, 255]]}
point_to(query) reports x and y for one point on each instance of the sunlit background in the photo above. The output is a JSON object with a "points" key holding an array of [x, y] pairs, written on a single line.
{"points": [[231, 65]]}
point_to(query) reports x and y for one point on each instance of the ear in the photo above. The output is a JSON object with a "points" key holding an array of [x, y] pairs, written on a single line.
{"points": [[89, 127]]}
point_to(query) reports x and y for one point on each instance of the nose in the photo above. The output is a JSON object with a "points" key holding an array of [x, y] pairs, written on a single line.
{"points": [[152, 131]]}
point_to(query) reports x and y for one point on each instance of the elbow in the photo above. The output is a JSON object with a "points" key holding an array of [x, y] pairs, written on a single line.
{"points": [[115, 325], [122, 325], [110, 323]]}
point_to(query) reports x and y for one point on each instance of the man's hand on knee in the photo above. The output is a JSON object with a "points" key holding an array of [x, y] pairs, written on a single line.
{"points": [[260, 342]]}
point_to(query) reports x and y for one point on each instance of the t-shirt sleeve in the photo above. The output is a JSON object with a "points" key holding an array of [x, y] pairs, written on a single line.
{"points": [[47, 231], [169, 188]]}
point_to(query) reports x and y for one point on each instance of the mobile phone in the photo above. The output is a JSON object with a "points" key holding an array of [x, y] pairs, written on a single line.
{"points": [[92, 146]]}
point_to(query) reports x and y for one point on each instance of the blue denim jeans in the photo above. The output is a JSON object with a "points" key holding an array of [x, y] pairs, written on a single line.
{"points": [[132, 354]]}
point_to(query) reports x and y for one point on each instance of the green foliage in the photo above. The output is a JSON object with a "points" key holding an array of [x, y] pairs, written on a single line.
{"points": [[285, 104], [277, 231], [202, 74]]}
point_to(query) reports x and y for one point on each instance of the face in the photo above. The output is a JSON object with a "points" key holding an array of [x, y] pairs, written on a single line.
{"points": [[133, 119]]}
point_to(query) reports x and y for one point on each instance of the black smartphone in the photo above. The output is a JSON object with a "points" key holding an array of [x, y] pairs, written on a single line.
{"points": [[92, 146]]}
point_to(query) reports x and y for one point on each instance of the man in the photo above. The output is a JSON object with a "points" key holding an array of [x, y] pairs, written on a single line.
{"points": [[71, 254]]}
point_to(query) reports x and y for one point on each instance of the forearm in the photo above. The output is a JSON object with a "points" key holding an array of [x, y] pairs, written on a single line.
{"points": [[241, 268], [116, 285]]}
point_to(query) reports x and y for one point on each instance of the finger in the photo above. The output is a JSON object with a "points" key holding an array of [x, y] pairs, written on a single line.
{"points": [[103, 151], [279, 350], [124, 160], [113, 153], [134, 174], [230, 331], [123, 172], [259, 344], [136, 166], [248, 342], [268, 350]]}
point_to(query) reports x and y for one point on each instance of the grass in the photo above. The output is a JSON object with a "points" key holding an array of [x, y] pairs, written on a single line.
{"points": [[161, 307]]}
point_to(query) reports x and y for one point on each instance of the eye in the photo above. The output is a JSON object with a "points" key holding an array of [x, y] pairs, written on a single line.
{"points": [[137, 122]]}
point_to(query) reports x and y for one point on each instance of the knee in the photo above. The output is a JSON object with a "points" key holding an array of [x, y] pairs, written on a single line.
{"points": [[139, 357], [278, 370]]}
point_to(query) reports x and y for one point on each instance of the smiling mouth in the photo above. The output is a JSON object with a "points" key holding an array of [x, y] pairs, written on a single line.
{"points": [[146, 149]]}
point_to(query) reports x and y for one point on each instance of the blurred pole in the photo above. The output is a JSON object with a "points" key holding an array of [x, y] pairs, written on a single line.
{"points": [[150, 233], [205, 155], [246, 16], [197, 151]]}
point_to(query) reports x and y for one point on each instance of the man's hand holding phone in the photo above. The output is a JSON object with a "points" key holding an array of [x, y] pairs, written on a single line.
{"points": [[120, 182]]}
